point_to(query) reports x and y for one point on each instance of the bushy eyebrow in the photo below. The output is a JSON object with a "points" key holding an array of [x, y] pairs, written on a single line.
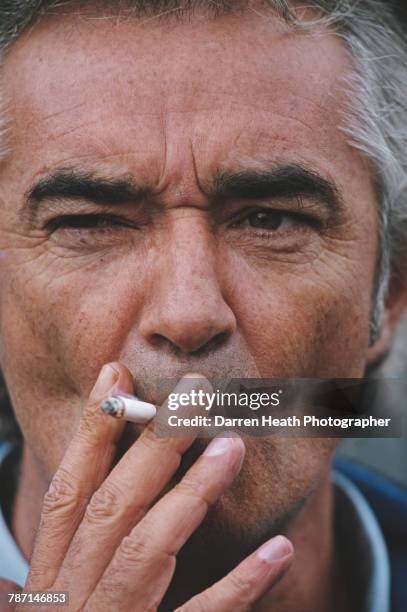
{"points": [[75, 184], [284, 182]]}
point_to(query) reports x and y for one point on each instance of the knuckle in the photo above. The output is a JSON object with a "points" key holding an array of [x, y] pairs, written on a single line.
{"points": [[105, 504], [191, 487], [241, 587], [36, 575], [90, 419], [62, 494], [150, 440], [38, 578], [108, 591], [135, 550], [162, 445]]}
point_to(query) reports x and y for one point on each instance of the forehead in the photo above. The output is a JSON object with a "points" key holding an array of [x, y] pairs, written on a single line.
{"points": [[231, 87]]}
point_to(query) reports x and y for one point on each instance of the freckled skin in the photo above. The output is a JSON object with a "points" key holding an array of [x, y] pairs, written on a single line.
{"points": [[170, 106]]}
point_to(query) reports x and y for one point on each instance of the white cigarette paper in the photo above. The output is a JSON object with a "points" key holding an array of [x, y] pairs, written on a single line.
{"points": [[130, 409]]}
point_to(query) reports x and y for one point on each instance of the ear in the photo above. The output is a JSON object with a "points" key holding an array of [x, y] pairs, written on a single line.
{"points": [[395, 307]]}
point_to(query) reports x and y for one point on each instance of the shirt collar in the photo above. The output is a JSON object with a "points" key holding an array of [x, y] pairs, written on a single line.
{"points": [[359, 534]]}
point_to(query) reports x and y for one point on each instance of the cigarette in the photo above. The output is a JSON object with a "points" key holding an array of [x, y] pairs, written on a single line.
{"points": [[130, 409]]}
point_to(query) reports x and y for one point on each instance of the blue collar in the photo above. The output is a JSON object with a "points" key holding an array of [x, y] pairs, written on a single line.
{"points": [[361, 534]]}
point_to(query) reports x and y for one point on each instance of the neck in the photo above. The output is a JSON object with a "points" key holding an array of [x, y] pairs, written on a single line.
{"points": [[313, 583]]}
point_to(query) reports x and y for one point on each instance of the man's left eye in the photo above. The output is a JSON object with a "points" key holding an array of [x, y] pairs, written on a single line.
{"points": [[270, 220]]}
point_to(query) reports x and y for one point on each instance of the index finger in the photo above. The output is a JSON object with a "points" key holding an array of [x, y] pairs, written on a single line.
{"points": [[84, 466]]}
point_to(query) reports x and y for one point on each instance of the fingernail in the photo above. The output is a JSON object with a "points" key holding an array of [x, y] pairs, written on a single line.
{"points": [[193, 381], [275, 550], [106, 380], [218, 446]]}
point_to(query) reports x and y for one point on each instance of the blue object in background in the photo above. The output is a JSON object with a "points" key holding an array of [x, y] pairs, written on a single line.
{"points": [[388, 501]]}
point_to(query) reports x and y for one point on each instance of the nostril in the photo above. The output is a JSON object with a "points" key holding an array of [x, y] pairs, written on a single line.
{"points": [[212, 344], [187, 325], [163, 343], [159, 341]]}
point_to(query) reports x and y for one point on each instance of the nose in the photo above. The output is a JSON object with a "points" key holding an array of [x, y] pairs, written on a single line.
{"points": [[186, 309]]}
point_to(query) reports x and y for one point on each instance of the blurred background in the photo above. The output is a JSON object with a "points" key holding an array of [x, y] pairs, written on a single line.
{"points": [[386, 456]]}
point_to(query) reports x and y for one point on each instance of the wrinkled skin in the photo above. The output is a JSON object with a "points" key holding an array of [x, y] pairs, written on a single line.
{"points": [[178, 285]]}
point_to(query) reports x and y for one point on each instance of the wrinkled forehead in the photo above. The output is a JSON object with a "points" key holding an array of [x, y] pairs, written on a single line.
{"points": [[248, 83]]}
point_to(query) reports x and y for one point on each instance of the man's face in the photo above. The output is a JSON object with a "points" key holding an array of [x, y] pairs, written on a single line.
{"points": [[218, 250]]}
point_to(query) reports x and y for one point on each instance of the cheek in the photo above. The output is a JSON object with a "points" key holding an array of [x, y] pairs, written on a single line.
{"points": [[305, 322], [81, 320], [54, 337], [36, 379], [56, 329]]}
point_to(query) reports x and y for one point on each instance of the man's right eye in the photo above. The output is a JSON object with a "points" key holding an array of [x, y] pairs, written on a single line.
{"points": [[86, 222]]}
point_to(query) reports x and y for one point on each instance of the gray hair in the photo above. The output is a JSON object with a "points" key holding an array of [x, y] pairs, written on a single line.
{"points": [[375, 120]]}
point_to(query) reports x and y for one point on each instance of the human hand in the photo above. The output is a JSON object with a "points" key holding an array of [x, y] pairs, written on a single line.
{"points": [[110, 538]]}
